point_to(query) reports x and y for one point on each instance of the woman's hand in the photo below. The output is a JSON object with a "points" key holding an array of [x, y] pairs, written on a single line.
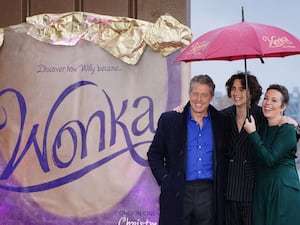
{"points": [[250, 126]]}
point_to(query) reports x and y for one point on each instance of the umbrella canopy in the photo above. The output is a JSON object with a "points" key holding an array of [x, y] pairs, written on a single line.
{"points": [[244, 40], [241, 40]]}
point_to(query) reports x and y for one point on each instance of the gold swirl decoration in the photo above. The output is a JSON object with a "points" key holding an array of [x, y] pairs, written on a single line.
{"points": [[123, 37]]}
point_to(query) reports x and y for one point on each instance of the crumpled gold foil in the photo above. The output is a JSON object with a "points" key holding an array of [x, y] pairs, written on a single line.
{"points": [[120, 36], [123, 37], [58, 29], [1, 36], [167, 35]]}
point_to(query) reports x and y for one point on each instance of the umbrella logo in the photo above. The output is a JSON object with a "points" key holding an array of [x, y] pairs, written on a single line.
{"points": [[197, 48], [278, 42]]}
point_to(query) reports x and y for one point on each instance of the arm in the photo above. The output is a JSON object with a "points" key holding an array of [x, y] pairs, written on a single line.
{"points": [[282, 145], [157, 152]]}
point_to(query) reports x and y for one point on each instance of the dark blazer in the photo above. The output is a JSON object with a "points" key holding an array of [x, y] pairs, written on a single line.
{"points": [[167, 160], [241, 159]]}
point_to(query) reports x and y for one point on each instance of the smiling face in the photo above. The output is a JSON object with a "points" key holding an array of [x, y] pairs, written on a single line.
{"points": [[272, 106], [200, 98], [238, 93]]}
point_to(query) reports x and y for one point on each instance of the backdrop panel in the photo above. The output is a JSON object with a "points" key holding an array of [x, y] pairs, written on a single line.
{"points": [[75, 127]]}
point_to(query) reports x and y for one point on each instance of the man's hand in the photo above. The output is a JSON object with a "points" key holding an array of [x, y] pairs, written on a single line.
{"points": [[289, 120], [178, 109]]}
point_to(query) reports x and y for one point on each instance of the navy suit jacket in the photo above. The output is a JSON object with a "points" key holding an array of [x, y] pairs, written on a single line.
{"points": [[167, 160]]}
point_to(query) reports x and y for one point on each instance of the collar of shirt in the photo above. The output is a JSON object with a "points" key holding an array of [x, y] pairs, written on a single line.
{"points": [[191, 117]]}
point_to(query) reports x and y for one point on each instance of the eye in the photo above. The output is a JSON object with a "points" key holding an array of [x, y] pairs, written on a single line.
{"points": [[195, 94]]}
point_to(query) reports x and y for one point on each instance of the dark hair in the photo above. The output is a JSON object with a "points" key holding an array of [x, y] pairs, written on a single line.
{"points": [[283, 90], [203, 79], [253, 86]]}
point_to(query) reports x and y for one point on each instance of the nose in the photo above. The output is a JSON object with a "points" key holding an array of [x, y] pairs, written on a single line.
{"points": [[199, 97]]}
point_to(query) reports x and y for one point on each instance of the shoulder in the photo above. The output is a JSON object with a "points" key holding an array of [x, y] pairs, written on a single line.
{"points": [[287, 132], [170, 116], [256, 110], [228, 111], [218, 116], [287, 128]]}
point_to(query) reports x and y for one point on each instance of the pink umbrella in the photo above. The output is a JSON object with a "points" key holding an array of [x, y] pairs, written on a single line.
{"points": [[242, 40], [239, 41]]}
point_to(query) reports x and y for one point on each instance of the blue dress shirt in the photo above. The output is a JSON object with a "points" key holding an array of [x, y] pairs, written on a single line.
{"points": [[199, 149]]}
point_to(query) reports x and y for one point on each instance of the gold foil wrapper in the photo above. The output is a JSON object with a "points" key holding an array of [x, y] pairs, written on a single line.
{"points": [[123, 37], [58, 29], [167, 35], [1, 36]]}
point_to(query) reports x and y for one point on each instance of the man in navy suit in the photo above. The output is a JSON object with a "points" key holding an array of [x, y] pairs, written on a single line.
{"points": [[187, 159]]}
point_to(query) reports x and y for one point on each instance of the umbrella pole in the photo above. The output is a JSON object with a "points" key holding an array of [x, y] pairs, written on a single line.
{"points": [[246, 78], [247, 88]]}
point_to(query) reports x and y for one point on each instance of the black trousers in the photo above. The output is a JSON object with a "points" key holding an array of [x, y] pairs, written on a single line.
{"points": [[198, 203], [238, 213]]}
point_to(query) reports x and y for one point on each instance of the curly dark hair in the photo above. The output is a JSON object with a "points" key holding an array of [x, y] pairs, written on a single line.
{"points": [[253, 86]]}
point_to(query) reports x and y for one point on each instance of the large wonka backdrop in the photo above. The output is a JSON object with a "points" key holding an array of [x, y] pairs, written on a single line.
{"points": [[80, 95]]}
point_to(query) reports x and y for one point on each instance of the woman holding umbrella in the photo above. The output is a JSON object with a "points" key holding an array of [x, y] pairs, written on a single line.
{"points": [[276, 199]]}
